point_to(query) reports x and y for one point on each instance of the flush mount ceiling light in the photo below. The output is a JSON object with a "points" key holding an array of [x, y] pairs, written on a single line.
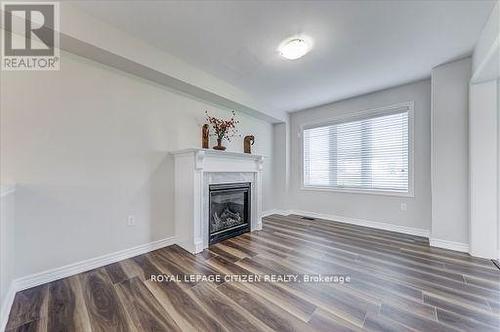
{"points": [[294, 48]]}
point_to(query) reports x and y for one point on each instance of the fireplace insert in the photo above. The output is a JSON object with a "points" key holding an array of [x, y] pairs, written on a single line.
{"points": [[229, 210]]}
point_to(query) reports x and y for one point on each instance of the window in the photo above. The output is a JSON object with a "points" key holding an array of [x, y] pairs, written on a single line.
{"points": [[367, 152]]}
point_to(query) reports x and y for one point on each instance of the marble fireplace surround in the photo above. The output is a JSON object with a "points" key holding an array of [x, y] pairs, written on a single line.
{"points": [[195, 170]]}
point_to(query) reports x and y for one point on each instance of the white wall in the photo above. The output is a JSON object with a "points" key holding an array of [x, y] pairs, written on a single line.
{"points": [[450, 192], [88, 146], [486, 55], [372, 207], [280, 166], [484, 136], [484, 113], [7, 205]]}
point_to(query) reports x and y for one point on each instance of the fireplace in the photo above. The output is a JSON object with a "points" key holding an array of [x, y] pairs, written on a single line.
{"points": [[198, 169], [229, 210]]}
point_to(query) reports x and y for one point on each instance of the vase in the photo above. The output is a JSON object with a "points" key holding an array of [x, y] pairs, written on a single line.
{"points": [[219, 145]]}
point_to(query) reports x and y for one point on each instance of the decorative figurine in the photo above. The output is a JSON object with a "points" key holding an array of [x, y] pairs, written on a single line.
{"points": [[247, 143], [204, 136]]}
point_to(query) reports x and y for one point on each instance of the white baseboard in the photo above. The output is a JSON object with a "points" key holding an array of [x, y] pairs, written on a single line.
{"points": [[6, 305], [89, 264], [362, 222], [274, 211], [451, 245]]}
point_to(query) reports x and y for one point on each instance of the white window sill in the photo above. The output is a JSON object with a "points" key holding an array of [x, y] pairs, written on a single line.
{"points": [[359, 191]]}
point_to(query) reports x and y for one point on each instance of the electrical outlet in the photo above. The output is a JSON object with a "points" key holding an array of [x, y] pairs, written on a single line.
{"points": [[404, 207], [131, 221]]}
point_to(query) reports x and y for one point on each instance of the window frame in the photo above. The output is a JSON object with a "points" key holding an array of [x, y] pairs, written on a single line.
{"points": [[361, 115]]}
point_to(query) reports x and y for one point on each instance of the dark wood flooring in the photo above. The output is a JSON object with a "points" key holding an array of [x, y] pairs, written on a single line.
{"points": [[397, 283]]}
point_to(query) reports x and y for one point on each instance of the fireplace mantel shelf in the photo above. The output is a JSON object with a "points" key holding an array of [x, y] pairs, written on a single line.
{"points": [[216, 153]]}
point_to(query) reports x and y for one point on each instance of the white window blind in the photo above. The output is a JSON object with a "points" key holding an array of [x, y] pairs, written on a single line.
{"points": [[367, 153]]}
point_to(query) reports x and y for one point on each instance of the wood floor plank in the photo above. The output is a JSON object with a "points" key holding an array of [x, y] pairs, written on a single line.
{"points": [[479, 301], [423, 246], [360, 230], [271, 315], [479, 273], [342, 232], [330, 264], [412, 321], [39, 325], [249, 252], [337, 300], [444, 268], [471, 289], [325, 322], [145, 311], [421, 250], [29, 305], [473, 313], [218, 250], [183, 309], [463, 323], [379, 323], [341, 245], [188, 263], [106, 313], [61, 306], [397, 283], [380, 290], [233, 318], [366, 236], [147, 267], [170, 268], [482, 283], [494, 306], [276, 247], [231, 249], [295, 305], [80, 316], [116, 273], [364, 280]]}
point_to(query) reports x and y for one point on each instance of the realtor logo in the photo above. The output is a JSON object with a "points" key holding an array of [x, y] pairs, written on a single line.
{"points": [[30, 36]]}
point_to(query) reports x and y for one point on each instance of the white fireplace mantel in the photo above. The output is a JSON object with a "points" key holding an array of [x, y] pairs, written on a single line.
{"points": [[195, 170]]}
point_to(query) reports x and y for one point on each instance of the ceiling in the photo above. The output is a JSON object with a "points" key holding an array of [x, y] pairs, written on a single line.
{"points": [[359, 46]]}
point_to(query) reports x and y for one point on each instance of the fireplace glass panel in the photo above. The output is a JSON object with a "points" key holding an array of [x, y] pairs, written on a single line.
{"points": [[229, 210]]}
